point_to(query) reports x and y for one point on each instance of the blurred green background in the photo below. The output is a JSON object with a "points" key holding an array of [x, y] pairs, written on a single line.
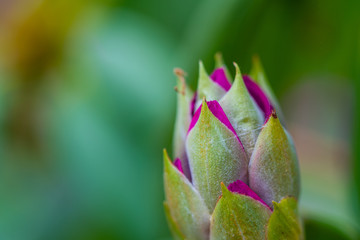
{"points": [[87, 104]]}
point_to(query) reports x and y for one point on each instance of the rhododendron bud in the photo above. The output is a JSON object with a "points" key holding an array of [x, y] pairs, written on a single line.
{"points": [[235, 173]]}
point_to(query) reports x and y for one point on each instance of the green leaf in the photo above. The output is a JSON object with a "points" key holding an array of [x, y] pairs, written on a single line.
{"points": [[285, 222], [183, 118], [215, 155], [273, 167], [258, 74], [187, 211], [238, 216], [242, 112], [329, 228], [206, 87]]}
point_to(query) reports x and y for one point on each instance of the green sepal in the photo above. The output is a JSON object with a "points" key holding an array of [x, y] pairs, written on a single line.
{"points": [[206, 87], [257, 73], [172, 224], [215, 155], [285, 223], [243, 113], [183, 118], [219, 63], [273, 167], [186, 209], [238, 216]]}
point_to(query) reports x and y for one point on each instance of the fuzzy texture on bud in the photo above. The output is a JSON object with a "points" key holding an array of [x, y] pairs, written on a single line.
{"points": [[235, 174]]}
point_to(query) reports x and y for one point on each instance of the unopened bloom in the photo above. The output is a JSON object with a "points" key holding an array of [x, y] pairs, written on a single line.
{"points": [[235, 173]]}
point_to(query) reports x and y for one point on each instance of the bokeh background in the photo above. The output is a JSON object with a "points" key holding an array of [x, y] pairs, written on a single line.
{"points": [[87, 104]]}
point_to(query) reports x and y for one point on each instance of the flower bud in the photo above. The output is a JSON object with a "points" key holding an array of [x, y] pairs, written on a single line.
{"points": [[273, 167], [235, 174]]}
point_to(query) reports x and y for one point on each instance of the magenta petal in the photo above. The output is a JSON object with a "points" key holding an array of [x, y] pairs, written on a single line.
{"points": [[259, 96], [195, 118], [219, 113], [192, 104], [219, 77], [178, 165], [241, 188]]}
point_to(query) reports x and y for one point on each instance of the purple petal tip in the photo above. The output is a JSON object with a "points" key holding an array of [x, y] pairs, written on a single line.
{"points": [[178, 165], [219, 113], [241, 188], [219, 77], [259, 96], [195, 118], [192, 104]]}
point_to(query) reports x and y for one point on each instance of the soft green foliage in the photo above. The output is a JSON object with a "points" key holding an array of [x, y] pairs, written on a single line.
{"points": [[320, 228], [185, 208], [285, 223], [238, 217], [244, 115], [215, 155], [273, 167]]}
